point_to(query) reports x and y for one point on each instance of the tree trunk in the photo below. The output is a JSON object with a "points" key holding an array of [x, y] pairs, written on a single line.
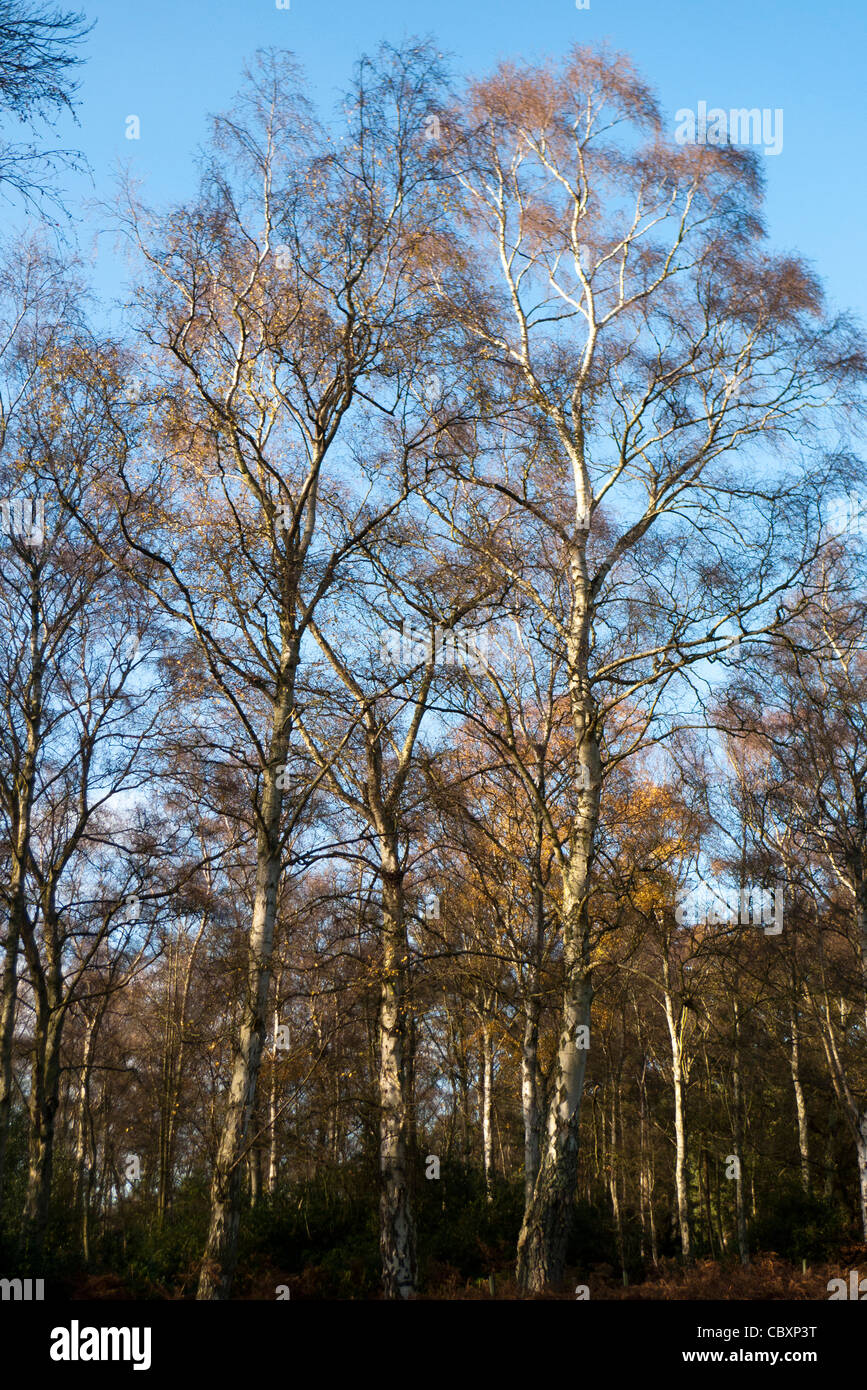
{"points": [[82, 1180], [737, 1131], [44, 1098], [648, 1224], [272, 1109], [7, 1026], [680, 1183], [861, 1147], [167, 1074], [221, 1249], [530, 1106], [255, 1167], [531, 1101], [800, 1106], [487, 1105], [615, 1158], [397, 1227], [547, 1221], [19, 849], [174, 1058], [857, 1120]]}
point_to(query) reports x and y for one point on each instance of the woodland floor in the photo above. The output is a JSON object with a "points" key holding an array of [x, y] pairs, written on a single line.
{"points": [[768, 1278]]}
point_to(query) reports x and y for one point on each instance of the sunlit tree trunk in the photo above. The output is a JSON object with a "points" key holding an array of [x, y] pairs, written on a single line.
{"points": [[84, 1159], [531, 1100], [397, 1228], [255, 1168], [530, 1106], [615, 1164], [800, 1103], [487, 1106], [677, 1080], [272, 1109]]}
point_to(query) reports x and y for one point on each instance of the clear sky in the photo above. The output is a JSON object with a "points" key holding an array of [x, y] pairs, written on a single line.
{"points": [[171, 62]]}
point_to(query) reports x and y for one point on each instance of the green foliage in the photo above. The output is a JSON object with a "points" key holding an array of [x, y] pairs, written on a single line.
{"points": [[321, 1235], [458, 1226], [593, 1239], [798, 1226], [15, 1174]]}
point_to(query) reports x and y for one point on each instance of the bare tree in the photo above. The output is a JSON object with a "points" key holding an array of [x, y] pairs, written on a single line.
{"points": [[38, 61], [646, 342], [807, 795], [282, 309], [79, 725]]}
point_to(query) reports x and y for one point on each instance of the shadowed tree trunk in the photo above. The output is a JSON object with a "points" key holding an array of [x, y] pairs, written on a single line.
{"points": [[220, 1255], [548, 1218]]}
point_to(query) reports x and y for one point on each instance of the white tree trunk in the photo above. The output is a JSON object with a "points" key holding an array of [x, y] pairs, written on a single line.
{"points": [[800, 1106], [530, 1097], [487, 1106], [397, 1228], [272, 1113], [680, 1183]]}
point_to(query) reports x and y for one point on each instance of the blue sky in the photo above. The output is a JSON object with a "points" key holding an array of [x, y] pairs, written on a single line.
{"points": [[171, 62]]}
